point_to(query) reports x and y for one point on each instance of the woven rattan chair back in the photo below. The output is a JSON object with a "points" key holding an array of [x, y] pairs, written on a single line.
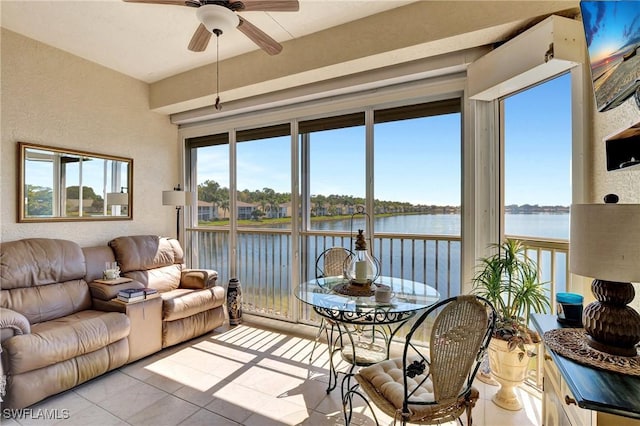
{"points": [[460, 334], [332, 262], [436, 378], [456, 338]]}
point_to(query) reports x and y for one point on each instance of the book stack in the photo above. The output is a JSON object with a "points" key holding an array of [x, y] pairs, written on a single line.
{"points": [[130, 295], [149, 292]]}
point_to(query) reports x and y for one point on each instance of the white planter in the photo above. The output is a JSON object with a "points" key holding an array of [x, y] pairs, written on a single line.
{"points": [[509, 371]]}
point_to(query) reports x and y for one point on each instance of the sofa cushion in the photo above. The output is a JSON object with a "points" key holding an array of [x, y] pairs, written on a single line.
{"points": [[47, 302], [30, 387], [39, 261], [64, 338], [163, 279], [144, 252], [95, 258], [181, 303]]}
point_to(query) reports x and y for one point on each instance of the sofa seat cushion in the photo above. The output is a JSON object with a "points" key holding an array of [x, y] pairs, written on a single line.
{"points": [[64, 338], [182, 303]]}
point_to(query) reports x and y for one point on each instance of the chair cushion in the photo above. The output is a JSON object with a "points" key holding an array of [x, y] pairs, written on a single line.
{"points": [[386, 377], [64, 338]]}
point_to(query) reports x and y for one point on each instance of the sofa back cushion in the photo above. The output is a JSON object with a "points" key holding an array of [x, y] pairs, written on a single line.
{"points": [[95, 258], [43, 278], [152, 260]]}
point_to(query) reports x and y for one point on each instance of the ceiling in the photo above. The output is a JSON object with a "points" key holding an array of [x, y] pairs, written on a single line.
{"points": [[149, 41]]}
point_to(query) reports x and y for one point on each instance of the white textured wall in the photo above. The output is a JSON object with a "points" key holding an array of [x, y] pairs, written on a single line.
{"points": [[625, 183], [53, 98]]}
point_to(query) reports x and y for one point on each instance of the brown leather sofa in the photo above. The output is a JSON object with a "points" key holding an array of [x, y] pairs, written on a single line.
{"points": [[59, 328], [52, 338]]}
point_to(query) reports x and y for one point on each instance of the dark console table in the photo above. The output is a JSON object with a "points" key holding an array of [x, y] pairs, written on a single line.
{"points": [[592, 389]]}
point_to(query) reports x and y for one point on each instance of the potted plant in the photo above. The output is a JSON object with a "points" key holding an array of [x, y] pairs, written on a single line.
{"points": [[509, 280]]}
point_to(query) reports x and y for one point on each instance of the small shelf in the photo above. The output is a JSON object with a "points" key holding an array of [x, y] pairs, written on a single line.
{"points": [[623, 149]]}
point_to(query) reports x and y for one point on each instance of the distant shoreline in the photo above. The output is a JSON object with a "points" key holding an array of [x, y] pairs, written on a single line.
{"points": [[442, 210]]}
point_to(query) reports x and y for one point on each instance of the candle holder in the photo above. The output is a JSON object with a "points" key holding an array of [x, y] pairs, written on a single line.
{"points": [[362, 268]]}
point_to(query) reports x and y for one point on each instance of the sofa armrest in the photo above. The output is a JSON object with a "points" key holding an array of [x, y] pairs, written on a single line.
{"points": [[198, 278], [13, 323]]}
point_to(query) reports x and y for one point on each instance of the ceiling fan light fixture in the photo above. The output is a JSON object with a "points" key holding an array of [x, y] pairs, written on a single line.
{"points": [[215, 17]]}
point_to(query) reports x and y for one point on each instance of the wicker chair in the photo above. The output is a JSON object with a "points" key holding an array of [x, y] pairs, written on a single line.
{"points": [[330, 263], [431, 384]]}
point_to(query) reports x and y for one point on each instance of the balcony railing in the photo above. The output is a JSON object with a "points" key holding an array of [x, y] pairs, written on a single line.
{"points": [[264, 265], [264, 259]]}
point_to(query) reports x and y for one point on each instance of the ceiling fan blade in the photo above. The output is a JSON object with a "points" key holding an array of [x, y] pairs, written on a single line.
{"points": [[200, 39], [270, 5], [256, 35], [176, 2]]}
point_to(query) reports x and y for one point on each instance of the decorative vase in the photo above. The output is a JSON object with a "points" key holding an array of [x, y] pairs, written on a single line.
{"points": [[509, 371], [234, 301]]}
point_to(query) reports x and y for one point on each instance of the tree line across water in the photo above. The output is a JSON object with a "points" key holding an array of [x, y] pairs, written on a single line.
{"points": [[336, 205]]}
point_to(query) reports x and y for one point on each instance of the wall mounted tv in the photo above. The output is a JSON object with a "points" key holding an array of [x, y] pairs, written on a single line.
{"points": [[612, 30]]}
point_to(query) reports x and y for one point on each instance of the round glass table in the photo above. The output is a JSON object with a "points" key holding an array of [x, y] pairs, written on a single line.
{"points": [[361, 329]]}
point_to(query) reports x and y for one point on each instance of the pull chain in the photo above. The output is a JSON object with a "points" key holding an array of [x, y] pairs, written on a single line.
{"points": [[217, 105]]}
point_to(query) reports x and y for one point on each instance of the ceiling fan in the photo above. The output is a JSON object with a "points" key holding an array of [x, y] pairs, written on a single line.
{"points": [[217, 16]]}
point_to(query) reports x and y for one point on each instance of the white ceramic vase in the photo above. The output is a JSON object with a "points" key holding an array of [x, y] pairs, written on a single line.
{"points": [[509, 371]]}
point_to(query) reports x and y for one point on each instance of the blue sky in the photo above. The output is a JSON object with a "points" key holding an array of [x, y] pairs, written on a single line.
{"points": [[419, 160], [416, 161]]}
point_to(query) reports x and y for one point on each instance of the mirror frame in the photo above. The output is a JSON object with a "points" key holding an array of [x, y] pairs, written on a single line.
{"points": [[22, 158]]}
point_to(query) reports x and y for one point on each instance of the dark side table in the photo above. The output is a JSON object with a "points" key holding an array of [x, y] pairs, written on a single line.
{"points": [[576, 394]]}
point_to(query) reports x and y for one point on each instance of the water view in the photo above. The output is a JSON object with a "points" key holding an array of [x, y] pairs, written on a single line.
{"points": [[539, 225], [424, 248]]}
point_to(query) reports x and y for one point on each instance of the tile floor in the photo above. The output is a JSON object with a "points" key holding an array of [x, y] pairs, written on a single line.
{"points": [[247, 375]]}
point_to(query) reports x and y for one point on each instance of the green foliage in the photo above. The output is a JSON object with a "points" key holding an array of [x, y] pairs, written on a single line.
{"points": [[509, 280], [39, 201], [93, 203], [321, 205]]}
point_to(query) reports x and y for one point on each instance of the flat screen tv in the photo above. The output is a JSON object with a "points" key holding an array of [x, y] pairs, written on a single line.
{"points": [[612, 30]]}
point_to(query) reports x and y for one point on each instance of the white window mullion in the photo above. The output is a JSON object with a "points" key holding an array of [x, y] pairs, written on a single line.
{"points": [[233, 205], [369, 173]]}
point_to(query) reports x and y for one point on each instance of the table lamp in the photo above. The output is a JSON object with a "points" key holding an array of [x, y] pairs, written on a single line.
{"points": [[605, 245]]}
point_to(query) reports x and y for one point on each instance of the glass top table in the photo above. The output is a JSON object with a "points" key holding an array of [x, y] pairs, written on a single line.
{"points": [[365, 328], [409, 297]]}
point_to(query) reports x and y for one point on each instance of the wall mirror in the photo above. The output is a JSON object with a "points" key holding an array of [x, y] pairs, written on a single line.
{"points": [[57, 184]]}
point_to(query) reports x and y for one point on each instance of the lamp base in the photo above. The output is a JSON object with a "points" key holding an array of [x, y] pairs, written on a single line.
{"points": [[612, 327]]}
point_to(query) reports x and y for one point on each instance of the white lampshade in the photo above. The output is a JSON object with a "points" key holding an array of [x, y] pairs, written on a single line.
{"points": [[173, 198], [117, 199], [605, 241], [215, 17]]}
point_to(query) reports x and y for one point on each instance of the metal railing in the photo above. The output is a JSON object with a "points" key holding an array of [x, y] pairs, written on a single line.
{"points": [[264, 261], [264, 266]]}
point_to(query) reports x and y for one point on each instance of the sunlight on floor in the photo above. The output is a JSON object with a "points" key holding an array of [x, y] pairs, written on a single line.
{"points": [[245, 375]]}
